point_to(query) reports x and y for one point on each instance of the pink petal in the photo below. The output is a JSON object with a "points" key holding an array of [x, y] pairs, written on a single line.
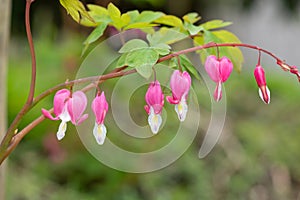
{"points": [[154, 97], [76, 106], [100, 108], [212, 67], [48, 115], [226, 67], [59, 101], [180, 84], [171, 100], [147, 108], [259, 74], [84, 117]]}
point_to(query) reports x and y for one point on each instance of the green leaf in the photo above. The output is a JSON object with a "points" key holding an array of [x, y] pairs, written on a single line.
{"points": [[215, 24], [122, 60], [145, 70], [113, 12], [133, 44], [142, 60], [76, 9], [140, 25], [169, 20], [161, 49], [115, 15], [148, 16], [95, 34], [133, 14], [191, 17], [192, 29], [165, 35], [187, 64]]}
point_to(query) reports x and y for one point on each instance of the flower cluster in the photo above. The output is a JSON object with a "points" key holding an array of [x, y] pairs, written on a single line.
{"points": [[180, 85], [68, 106], [219, 70]]}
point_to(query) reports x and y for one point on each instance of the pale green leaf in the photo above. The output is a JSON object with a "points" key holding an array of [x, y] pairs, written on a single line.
{"points": [[133, 14], [169, 20], [161, 49], [192, 29], [142, 60], [139, 25], [95, 34], [187, 64], [76, 9], [191, 17], [122, 60], [113, 12], [165, 35], [133, 44], [148, 16], [145, 70], [214, 24]]}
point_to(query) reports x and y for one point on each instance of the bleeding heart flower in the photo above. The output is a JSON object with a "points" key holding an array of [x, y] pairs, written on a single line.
{"points": [[67, 108], [155, 102], [264, 92], [180, 85], [100, 108], [219, 71]]}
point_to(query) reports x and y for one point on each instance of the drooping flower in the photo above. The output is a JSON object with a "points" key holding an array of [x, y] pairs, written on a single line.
{"points": [[180, 85], [67, 107], [264, 92], [100, 108], [155, 102], [219, 71]]}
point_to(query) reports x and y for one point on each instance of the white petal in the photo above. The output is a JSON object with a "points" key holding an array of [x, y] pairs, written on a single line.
{"points": [[61, 130], [154, 121], [99, 132], [64, 116], [262, 96], [181, 110]]}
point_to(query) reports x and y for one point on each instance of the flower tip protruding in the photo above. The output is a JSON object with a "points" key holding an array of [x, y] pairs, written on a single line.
{"points": [[99, 133], [264, 94], [154, 121]]}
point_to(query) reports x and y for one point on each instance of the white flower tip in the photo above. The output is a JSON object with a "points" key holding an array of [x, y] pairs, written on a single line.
{"points": [[268, 95], [154, 121], [99, 133], [181, 110], [61, 130]]}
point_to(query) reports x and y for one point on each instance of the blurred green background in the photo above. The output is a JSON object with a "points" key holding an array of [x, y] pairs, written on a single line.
{"points": [[256, 158]]}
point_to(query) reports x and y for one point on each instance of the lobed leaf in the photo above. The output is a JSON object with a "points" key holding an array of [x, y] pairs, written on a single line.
{"points": [[95, 34], [133, 44], [147, 16], [191, 17], [76, 9], [166, 36], [161, 49], [214, 24], [169, 20], [187, 64], [142, 60]]}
